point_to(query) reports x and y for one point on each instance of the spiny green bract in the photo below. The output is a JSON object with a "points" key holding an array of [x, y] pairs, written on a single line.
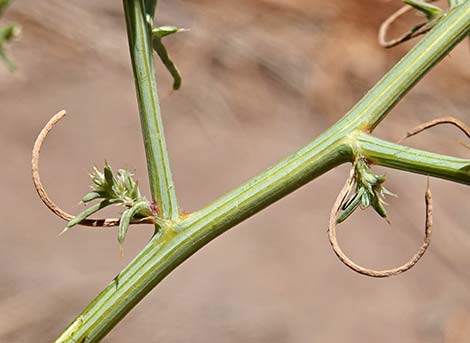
{"points": [[369, 191], [120, 189]]}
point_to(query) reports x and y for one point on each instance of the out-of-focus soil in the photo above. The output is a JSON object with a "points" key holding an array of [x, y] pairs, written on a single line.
{"points": [[261, 79]]}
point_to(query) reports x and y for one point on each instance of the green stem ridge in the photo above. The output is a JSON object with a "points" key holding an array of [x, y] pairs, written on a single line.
{"points": [[400, 157], [375, 105], [453, 3], [140, 45], [172, 245]]}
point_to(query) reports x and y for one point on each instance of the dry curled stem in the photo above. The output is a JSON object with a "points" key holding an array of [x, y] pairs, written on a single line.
{"points": [[438, 121], [105, 222], [366, 271], [384, 28]]}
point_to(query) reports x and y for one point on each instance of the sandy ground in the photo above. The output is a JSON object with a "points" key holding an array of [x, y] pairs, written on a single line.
{"points": [[261, 79]]}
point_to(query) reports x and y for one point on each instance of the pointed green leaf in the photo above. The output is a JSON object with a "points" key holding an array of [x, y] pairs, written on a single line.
{"points": [[365, 200], [157, 35], [350, 206], [162, 31], [134, 191], [92, 196], [128, 183], [126, 218], [97, 177], [108, 174], [379, 207], [88, 212], [429, 10], [124, 225]]}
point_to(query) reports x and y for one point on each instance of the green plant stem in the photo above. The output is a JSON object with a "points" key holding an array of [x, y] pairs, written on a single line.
{"points": [[375, 105], [400, 157], [453, 3], [174, 244], [140, 46]]}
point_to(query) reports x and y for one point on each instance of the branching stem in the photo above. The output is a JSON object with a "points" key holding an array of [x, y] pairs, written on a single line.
{"points": [[339, 144]]}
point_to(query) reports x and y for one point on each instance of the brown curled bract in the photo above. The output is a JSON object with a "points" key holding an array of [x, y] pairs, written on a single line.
{"points": [[342, 196], [104, 222]]}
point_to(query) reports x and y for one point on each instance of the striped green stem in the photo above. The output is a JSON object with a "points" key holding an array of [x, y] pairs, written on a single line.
{"points": [[140, 45], [174, 244], [170, 247], [453, 3], [400, 157], [375, 105]]}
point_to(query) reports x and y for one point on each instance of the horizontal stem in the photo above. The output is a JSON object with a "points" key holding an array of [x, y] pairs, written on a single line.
{"points": [[400, 157]]}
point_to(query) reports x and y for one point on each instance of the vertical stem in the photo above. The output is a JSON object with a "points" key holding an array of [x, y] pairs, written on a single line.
{"points": [[140, 45], [171, 247]]}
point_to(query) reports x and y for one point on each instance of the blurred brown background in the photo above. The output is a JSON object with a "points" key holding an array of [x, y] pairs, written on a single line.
{"points": [[261, 79]]}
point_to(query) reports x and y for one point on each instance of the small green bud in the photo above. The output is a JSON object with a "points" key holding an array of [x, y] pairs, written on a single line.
{"points": [[369, 192], [163, 31]]}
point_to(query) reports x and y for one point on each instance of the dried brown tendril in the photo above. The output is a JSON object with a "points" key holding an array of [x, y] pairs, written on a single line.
{"points": [[417, 31], [105, 222], [342, 196], [435, 122]]}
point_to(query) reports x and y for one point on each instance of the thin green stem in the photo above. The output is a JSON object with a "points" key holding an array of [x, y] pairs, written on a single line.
{"points": [[375, 105], [174, 244], [140, 46], [397, 156], [453, 3]]}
